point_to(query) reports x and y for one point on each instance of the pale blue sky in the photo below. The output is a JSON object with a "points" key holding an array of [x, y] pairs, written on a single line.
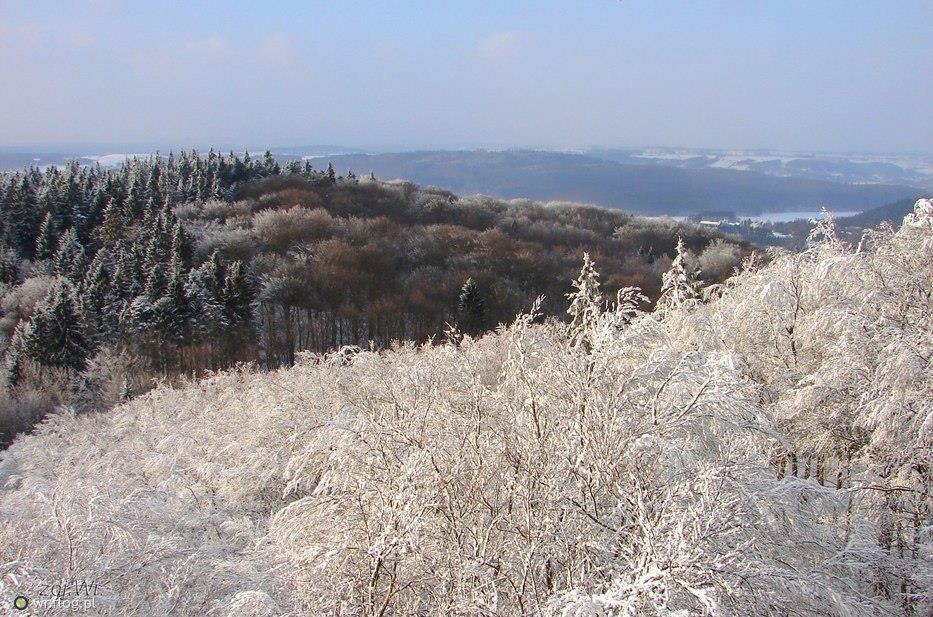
{"points": [[813, 75]]}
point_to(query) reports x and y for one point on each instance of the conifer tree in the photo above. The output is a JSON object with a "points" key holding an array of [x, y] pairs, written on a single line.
{"points": [[8, 267], [93, 290], [69, 259], [175, 308], [46, 243], [472, 309], [270, 165], [585, 305], [238, 295], [112, 227], [180, 251], [204, 289], [679, 284], [331, 173], [14, 355], [22, 219], [56, 334]]}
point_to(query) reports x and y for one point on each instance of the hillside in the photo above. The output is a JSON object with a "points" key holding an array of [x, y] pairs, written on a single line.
{"points": [[642, 189], [891, 213], [766, 453], [166, 266]]}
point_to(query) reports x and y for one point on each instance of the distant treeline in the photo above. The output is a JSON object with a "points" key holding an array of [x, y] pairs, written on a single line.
{"points": [[180, 264]]}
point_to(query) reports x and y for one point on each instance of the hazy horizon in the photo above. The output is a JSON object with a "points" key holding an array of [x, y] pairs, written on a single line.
{"points": [[833, 77]]}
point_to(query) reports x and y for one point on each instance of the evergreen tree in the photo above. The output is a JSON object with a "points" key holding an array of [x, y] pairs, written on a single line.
{"points": [[14, 355], [175, 308], [180, 250], [471, 308], [8, 267], [46, 244], [270, 165], [69, 259], [585, 305], [56, 334], [238, 295], [93, 289], [204, 289], [679, 284], [112, 227], [22, 219], [331, 174]]}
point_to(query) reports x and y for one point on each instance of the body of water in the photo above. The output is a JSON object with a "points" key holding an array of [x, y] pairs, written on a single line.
{"points": [[783, 217]]}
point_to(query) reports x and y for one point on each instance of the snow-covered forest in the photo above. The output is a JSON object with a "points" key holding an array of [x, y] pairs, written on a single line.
{"points": [[759, 447], [180, 264]]}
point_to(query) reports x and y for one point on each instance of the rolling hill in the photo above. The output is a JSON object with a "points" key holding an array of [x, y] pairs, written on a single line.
{"points": [[642, 189]]}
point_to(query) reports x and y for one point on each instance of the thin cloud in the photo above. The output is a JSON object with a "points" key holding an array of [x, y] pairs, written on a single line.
{"points": [[276, 48], [213, 45], [499, 47]]}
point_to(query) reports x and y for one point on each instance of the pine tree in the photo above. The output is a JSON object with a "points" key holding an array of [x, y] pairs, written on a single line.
{"points": [[180, 251], [270, 165], [112, 227], [679, 284], [93, 289], [175, 308], [9, 273], [204, 289], [238, 295], [69, 259], [46, 244], [585, 305], [472, 309], [331, 174], [14, 355], [56, 334], [22, 219]]}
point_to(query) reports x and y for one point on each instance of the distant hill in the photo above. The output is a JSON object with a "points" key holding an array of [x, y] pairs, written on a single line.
{"points": [[640, 188], [912, 169], [893, 213]]}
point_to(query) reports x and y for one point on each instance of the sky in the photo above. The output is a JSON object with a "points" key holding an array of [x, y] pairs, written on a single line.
{"points": [[832, 76]]}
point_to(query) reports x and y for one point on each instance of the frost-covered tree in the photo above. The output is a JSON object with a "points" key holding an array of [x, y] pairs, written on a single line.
{"points": [[9, 272], [586, 304], [21, 218], [765, 453], [56, 335], [69, 260], [679, 286], [46, 242]]}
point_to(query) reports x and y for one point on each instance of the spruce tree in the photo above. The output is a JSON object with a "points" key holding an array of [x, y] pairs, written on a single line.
{"points": [[331, 174], [180, 251], [69, 259], [9, 272], [46, 243], [94, 287], [585, 305], [471, 308], [679, 284], [270, 165], [56, 334], [111, 229], [14, 355], [238, 295], [175, 308], [22, 219]]}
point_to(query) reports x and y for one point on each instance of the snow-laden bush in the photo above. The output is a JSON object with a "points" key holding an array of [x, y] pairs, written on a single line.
{"points": [[767, 453]]}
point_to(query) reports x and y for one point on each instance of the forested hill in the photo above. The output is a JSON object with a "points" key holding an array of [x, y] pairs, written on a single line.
{"points": [[765, 452], [644, 189], [189, 263]]}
